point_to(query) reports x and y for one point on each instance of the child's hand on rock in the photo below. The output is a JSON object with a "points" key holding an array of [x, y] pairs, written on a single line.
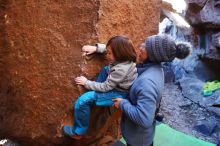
{"points": [[87, 49], [81, 80]]}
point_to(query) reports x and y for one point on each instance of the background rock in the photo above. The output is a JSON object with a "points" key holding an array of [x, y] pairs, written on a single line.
{"points": [[41, 54], [216, 40], [203, 12], [183, 112], [200, 3], [206, 126]]}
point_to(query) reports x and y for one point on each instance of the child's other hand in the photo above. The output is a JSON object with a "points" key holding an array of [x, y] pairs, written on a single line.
{"points": [[87, 49], [117, 102], [81, 80]]}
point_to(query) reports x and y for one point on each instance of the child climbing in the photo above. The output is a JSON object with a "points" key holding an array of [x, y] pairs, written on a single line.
{"points": [[113, 81]]}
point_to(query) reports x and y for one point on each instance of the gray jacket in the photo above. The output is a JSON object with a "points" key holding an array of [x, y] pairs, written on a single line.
{"points": [[138, 124], [121, 76]]}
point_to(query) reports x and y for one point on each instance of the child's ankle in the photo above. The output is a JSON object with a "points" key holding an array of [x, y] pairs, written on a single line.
{"points": [[77, 137]]}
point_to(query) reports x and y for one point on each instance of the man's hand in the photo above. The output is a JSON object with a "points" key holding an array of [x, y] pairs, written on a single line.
{"points": [[117, 102], [87, 49], [81, 80]]}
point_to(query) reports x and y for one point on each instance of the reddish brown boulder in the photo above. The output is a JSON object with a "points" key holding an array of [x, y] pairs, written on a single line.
{"points": [[41, 54]]}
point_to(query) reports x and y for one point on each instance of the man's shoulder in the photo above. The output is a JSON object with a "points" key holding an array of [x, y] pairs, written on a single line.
{"points": [[153, 71], [153, 75]]}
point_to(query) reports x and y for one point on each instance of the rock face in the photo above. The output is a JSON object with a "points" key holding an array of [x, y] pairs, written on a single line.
{"points": [[206, 126], [199, 3], [41, 54], [203, 12], [204, 16], [216, 40]]}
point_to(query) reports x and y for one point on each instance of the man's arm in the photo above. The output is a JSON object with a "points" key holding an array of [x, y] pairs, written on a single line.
{"points": [[144, 111]]}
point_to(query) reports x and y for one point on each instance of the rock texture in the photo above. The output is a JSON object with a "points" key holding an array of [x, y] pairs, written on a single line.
{"points": [[203, 12], [41, 54], [204, 16], [183, 115], [199, 3], [216, 40]]}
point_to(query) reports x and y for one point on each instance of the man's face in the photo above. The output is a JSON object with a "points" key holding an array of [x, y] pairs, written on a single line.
{"points": [[142, 54]]}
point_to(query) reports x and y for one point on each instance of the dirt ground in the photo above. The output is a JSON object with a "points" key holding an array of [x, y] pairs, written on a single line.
{"points": [[181, 114]]}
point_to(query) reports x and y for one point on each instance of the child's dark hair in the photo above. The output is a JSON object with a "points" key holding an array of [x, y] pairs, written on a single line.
{"points": [[122, 49]]}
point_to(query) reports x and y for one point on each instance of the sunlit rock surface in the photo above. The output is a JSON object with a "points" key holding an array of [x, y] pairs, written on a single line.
{"points": [[41, 54]]}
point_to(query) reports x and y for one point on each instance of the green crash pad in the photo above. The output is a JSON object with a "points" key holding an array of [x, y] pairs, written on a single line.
{"points": [[166, 136], [210, 87]]}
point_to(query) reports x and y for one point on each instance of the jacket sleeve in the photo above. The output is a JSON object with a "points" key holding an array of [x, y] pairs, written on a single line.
{"points": [[101, 48], [143, 112], [114, 78]]}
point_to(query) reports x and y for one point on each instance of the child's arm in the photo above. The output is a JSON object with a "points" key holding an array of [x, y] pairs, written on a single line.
{"points": [[111, 82], [99, 48]]}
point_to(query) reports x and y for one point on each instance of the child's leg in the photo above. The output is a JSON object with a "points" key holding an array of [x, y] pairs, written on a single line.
{"points": [[103, 75], [105, 98], [82, 112]]}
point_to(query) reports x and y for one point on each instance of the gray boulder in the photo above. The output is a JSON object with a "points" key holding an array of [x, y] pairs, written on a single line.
{"points": [[203, 12], [206, 126], [199, 3], [216, 40]]}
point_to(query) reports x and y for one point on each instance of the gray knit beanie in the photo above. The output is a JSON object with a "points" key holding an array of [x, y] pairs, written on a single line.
{"points": [[162, 48]]}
